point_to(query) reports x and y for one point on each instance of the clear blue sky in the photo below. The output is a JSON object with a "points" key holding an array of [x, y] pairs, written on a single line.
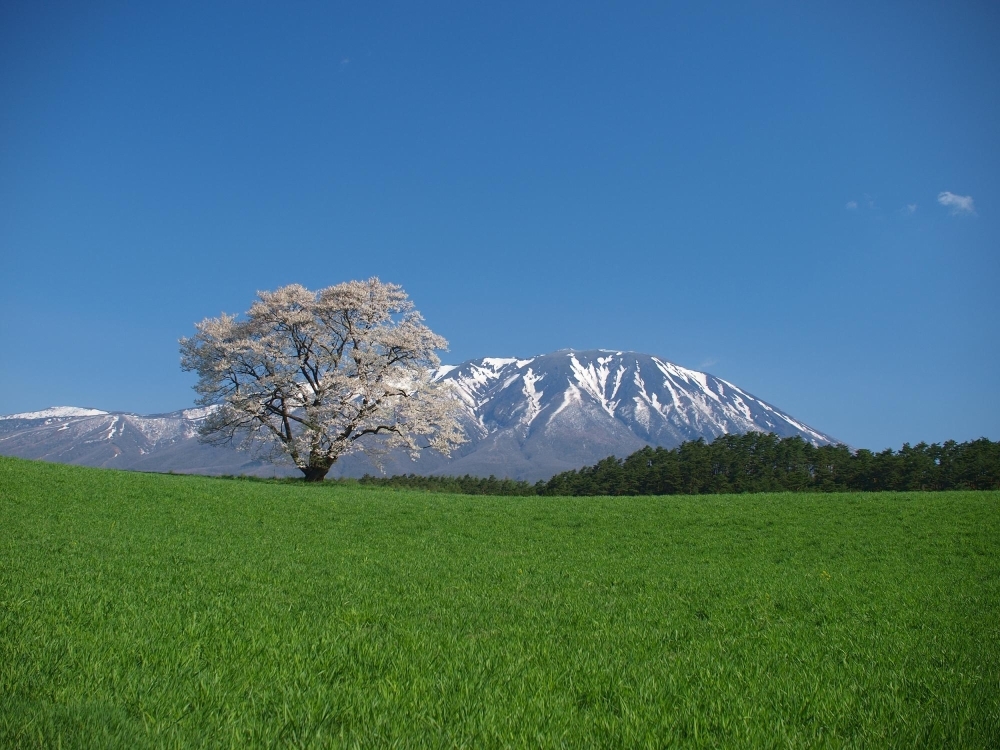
{"points": [[751, 189]]}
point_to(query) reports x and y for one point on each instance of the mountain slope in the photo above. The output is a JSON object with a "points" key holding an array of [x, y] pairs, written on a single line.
{"points": [[91, 437], [525, 419], [531, 418]]}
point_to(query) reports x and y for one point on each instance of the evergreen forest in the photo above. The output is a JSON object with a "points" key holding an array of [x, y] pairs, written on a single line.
{"points": [[754, 462]]}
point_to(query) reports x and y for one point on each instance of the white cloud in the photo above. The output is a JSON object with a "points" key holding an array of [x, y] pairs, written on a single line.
{"points": [[957, 204], [851, 205], [911, 208]]}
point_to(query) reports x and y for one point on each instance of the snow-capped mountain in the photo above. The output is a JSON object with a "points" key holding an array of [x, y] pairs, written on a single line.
{"points": [[92, 437], [531, 418], [660, 402], [525, 418]]}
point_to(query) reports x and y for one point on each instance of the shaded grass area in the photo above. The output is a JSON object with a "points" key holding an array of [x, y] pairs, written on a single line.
{"points": [[168, 611]]}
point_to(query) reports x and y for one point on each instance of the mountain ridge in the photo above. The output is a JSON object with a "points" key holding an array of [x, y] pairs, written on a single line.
{"points": [[525, 418]]}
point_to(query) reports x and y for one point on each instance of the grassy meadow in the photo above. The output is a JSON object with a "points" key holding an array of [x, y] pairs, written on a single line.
{"points": [[167, 611]]}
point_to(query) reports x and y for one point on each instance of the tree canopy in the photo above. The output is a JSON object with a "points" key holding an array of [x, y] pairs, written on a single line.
{"points": [[307, 377]]}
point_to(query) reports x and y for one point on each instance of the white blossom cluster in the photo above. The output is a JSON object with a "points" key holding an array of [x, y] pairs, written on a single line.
{"points": [[305, 376]]}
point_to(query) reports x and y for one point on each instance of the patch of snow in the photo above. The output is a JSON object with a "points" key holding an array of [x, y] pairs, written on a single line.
{"points": [[571, 396], [675, 398], [618, 380], [743, 408], [654, 401], [200, 412], [650, 400], [533, 395], [594, 381], [498, 363], [692, 377], [57, 412], [641, 412]]}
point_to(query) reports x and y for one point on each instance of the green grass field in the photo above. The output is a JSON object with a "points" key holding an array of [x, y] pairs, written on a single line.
{"points": [[167, 611]]}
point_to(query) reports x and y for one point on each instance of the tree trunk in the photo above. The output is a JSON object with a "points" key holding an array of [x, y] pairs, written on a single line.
{"points": [[314, 473]]}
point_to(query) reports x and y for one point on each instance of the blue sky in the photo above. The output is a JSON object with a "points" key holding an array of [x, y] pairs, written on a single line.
{"points": [[801, 200]]}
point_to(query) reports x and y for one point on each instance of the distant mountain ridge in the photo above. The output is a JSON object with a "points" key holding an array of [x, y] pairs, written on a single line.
{"points": [[660, 401], [525, 419]]}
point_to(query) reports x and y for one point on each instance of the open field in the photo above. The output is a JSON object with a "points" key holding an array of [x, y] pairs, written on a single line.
{"points": [[149, 610]]}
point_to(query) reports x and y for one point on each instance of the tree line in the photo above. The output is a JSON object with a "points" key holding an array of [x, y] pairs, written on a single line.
{"points": [[754, 462]]}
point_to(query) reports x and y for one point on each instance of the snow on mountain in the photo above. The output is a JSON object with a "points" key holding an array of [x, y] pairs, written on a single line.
{"points": [[56, 412], [92, 437], [525, 418], [531, 418], [657, 400]]}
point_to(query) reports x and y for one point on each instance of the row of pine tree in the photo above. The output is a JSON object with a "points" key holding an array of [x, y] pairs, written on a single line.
{"points": [[754, 462]]}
